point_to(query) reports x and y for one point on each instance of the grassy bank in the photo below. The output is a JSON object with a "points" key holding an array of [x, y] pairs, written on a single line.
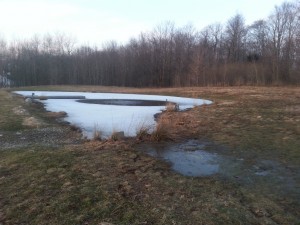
{"points": [[97, 182], [8, 120]]}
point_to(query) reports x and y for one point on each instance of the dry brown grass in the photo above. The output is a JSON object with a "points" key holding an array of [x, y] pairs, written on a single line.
{"points": [[176, 126], [117, 136], [32, 122], [97, 134], [172, 107], [143, 132], [111, 181], [177, 91], [56, 115], [256, 120], [162, 130]]}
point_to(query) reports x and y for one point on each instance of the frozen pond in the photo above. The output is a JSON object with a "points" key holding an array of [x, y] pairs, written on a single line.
{"points": [[115, 116]]}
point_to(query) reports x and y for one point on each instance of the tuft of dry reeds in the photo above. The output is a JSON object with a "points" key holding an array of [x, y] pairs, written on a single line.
{"points": [[97, 133], [143, 132], [56, 115], [171, 107], [163, 129], [117, 136]]}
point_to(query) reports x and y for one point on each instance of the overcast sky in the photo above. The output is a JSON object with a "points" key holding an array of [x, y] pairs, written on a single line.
{"points": [[98, 21]]}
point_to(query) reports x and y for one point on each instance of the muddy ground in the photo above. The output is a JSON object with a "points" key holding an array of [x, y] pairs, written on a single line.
{"points": [[49, 175]]}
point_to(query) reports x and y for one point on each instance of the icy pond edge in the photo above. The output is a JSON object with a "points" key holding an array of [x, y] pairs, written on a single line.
{"points": [[110, 118]]}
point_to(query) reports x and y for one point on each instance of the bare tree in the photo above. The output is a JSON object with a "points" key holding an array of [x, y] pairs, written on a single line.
{"points": [[257, 50], [235, 38], [3, 54], [266, 52], [162, 39], [283, 24]]}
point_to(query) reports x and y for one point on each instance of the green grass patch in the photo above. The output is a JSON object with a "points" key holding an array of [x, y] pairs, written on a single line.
{"points": [[9, 121]]}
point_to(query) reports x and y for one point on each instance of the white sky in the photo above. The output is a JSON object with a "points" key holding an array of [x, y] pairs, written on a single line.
{"points": [[97, 21]]}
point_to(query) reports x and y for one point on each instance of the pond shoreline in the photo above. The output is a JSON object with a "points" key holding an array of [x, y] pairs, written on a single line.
{"points": [[112, 112]]}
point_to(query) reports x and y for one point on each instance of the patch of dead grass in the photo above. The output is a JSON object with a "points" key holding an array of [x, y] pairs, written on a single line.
{"points": [[121, 186], [56, 115], [19, 110], [33, 122], [110, 181]]}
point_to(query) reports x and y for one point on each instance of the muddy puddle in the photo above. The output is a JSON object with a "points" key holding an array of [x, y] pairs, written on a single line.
{"points": [[201, 158], [194, 158]]}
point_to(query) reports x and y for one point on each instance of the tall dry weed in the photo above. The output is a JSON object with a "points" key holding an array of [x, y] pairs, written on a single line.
{"points": [[172, 107], [97, 133], [163, 129], [143, 131]]}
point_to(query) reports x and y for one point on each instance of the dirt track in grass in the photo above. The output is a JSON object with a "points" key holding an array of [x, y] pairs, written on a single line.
{"points": [[67, 181]]}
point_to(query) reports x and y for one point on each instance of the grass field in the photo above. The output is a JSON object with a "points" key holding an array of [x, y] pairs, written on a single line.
{"points": [[57, 178]]}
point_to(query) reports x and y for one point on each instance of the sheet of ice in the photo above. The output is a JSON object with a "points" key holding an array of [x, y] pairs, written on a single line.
{"points": [[110, 118]]}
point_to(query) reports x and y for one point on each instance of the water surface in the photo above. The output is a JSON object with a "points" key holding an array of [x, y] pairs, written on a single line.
{"points": [[203, 158]]}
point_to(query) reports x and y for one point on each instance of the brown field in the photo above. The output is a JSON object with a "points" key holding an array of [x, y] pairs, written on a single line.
{"points": [[49, 175]]}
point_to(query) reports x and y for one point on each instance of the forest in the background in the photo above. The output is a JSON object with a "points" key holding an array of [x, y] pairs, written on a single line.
{"points": [[266, 52]]}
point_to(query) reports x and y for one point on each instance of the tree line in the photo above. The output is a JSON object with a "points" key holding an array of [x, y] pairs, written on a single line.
{"points": [[265, 53]]}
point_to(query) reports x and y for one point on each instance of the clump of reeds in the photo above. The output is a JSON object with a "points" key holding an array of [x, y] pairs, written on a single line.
{"points": [[172, 107], [143, 132], [73, 127], [97, 133], [117, 136], [162, 130]]}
